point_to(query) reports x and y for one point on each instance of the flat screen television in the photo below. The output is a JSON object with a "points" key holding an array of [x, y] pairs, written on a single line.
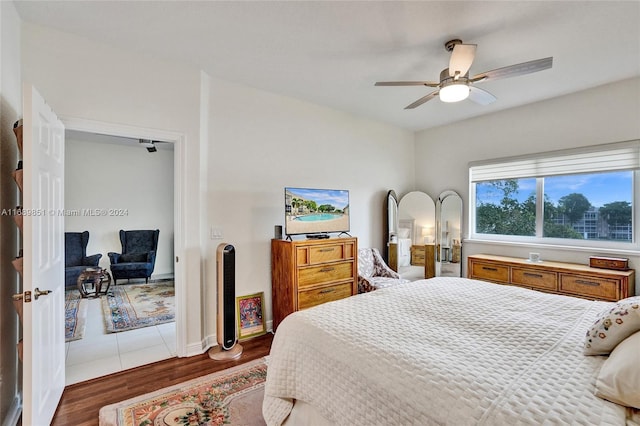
{"points": [[316, 212]]}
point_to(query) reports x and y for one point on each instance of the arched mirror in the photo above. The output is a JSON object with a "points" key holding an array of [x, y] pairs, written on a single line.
{"points": [[415, 236], [449, 234], [391, 230]]}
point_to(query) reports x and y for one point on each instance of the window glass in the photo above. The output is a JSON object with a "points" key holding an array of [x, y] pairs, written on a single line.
{"points": [[506, 207], [594, 206]]}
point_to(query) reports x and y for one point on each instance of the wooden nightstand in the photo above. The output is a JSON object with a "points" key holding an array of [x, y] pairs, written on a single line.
{"points": [[417, 255]]}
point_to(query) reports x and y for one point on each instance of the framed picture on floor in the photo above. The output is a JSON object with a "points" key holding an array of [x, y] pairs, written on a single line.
{"points": [[250, 315]]}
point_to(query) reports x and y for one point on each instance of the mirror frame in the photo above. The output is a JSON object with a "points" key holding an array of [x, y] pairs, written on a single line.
{"points": [[391, 223], [439, 223]]}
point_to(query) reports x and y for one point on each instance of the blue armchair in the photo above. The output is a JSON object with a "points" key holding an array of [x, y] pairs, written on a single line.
{"points": [[138, 257], [75, 257]]}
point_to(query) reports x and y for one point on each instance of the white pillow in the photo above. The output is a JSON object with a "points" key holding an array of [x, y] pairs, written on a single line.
{"points": [[619, 377], [403, 232], [613, 326]]}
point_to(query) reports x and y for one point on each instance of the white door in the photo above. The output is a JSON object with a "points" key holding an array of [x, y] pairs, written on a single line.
{"points": [[43, 247]]}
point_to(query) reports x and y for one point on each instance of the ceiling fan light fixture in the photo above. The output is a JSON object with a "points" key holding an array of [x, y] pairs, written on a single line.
{"points": [[455, 83], [455, 92]]}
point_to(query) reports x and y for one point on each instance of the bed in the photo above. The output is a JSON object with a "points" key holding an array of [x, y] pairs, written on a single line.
{"points": [[443, 351]]}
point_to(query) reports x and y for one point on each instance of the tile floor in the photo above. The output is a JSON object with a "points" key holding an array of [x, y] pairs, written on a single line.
{"points": [[99, 353]]}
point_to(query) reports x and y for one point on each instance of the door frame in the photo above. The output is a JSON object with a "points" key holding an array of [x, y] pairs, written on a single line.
{"points": [[179, 206]]}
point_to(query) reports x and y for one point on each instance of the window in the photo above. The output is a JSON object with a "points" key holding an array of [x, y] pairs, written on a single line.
{"points": [[574, 197]]}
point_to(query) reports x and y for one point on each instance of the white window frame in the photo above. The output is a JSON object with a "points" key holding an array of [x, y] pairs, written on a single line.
{"points": [[600, 158]]}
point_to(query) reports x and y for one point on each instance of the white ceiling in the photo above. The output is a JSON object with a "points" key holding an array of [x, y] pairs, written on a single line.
{"points": [[331, 53]]}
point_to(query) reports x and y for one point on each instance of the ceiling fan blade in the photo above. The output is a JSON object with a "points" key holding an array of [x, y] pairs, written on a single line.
{"points": [[480, 96], [423, 100], [515, 70], [461, 59], [407, 83]]}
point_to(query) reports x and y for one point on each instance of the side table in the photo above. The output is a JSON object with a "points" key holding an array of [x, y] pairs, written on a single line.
{"points": [[445, 254], [97, 277]]}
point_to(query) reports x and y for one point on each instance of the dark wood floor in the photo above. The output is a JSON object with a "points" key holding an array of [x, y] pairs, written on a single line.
{"points": [[81, 402]]}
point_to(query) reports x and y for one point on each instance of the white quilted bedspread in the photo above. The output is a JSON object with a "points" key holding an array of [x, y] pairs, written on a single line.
{"points": [[444, 351]]}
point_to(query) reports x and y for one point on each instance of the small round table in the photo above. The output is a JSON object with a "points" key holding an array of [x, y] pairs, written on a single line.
{"points": [[97, 277]]}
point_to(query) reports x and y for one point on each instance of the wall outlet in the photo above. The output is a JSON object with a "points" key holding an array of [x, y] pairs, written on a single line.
{"points": [[216, 233]]}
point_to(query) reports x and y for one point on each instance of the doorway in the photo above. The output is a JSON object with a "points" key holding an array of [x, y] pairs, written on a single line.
{"points": [[119, 174]]}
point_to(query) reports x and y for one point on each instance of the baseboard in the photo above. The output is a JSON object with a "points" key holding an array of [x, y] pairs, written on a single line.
{"points": [[210, 341], [161, 277], [152, 280], [194, 349], [15, 411]]}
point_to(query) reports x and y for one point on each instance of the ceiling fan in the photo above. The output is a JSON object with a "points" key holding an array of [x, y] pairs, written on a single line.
{"points": [[455, 84]]}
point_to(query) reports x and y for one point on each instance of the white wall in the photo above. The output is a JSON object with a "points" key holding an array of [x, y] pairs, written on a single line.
{"points": [[256, 144], [134, 186], [83, 79], [599, 115], [10, 111], [262, 142]]}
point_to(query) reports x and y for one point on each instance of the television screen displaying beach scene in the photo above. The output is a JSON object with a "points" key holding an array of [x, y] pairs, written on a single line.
{"points": [[316, 211]]}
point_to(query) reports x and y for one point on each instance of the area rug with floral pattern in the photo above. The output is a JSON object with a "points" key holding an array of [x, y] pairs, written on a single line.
{"points": [[75, 315], [232, 396], [134, 306]]}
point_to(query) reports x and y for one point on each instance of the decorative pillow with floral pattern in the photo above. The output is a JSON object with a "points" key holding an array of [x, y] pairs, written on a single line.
{"points": [[613, 326]]}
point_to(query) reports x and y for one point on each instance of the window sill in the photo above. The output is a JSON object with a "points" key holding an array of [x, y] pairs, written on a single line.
{"points": [[539, 246]]}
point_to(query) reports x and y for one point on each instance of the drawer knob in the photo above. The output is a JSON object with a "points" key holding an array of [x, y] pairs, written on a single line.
{"points": [[327, 249], [327, 269], [591, 283], [327, 290], [486, 268]]}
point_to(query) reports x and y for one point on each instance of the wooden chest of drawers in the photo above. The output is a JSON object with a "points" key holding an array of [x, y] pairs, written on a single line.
{"points": [[307, 273], [417, 255], [554, 277]]}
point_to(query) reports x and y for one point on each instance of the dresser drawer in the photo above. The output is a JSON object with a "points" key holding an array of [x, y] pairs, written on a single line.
{"points": [[309, 298], [600, 288], [490, 272], [321, 274], [326, 253], [545, 280]]}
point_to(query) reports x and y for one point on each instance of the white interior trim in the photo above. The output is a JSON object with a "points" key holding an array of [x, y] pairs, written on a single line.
{"points": [[179, 164]]}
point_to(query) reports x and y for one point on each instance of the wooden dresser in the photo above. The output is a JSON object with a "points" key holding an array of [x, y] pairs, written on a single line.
{"points": [[554, 277], [393, 256], [307, 273], [417, 255]]}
